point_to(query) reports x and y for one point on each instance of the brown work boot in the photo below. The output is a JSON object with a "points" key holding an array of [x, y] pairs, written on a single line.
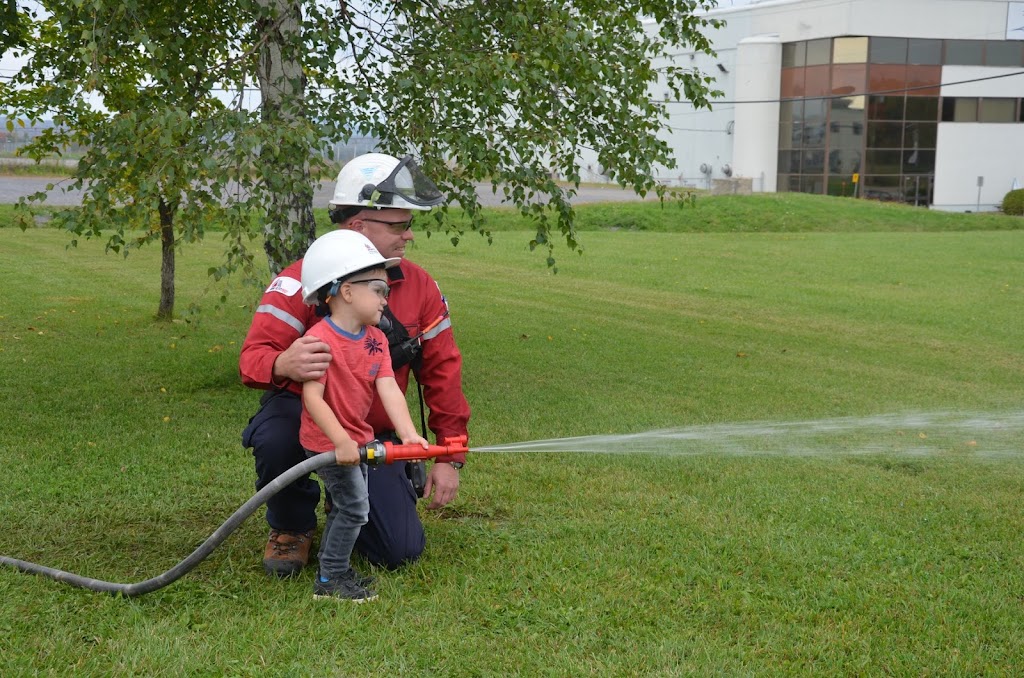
{"points": [[287, 552]]}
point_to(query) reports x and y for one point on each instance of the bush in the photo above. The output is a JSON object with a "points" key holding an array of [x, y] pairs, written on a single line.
{"points": [[1013, 203]]}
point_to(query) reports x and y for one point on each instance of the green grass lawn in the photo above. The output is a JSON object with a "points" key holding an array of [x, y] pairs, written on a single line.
{"points": [[844, 497]]}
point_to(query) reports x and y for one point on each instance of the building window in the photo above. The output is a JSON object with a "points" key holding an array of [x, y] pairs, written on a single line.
{"points": [[965, 53], [886, 107], [921, 134], [872, 106], [916, 161], [885, 135], [989, 109], [881, 187], [819, 52], [794, 55], [960, 109], [997, 110], [850, 50], [922, 108], [924, 52], [883, 161], [924, 81], [1004, 53], [888, 50]]}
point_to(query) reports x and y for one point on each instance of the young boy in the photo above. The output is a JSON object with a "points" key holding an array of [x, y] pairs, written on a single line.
{"points": [[345, 272]]}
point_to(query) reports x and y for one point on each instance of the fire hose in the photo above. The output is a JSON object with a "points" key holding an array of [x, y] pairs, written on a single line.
{"points": [[373, 454]]}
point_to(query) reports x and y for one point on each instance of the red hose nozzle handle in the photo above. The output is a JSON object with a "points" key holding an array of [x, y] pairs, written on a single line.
{"points": [[376, 453]]}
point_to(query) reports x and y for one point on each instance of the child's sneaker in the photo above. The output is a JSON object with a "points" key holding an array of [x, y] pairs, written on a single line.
{"points": [[347, 587]]}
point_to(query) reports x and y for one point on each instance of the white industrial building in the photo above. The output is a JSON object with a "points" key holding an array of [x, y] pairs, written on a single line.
{"points": [[917, 101]]}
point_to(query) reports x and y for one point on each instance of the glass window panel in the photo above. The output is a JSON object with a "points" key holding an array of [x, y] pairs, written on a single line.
{"points": [[849, 50], [888, 50], [846, 123], [883, 162], [848, 79], [927, 52], [816, 81], [920, 135], [881, 188], [998, 110], [790, 183], [964, 53], [887, 78], [813, 184], [923, 81], [790, 111], [794, 54], [793, 82], [814, 123], [847, 108], [841, 185], [813, 162], [844, 161], [846, 134], [885, 135], [885, 107], [917, 190], [922, 108], [918, 162], [948, 109], [819, 52], [788, 138], [814, 110], [1003, 53], [1020, 115], [965, 109], [789, 162]]}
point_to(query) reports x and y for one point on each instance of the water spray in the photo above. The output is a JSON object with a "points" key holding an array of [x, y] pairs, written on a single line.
{"points": [[372, 454]]}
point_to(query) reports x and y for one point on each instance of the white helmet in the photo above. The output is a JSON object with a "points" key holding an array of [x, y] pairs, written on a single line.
{"points": [[379, 180], [335, 256]]}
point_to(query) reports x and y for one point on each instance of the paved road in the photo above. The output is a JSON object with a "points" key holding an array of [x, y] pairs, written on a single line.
{"points": [[11, 188]]}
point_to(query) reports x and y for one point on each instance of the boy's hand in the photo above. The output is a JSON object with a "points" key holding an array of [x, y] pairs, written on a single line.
{"points": [[415, 439], [347, 454]]}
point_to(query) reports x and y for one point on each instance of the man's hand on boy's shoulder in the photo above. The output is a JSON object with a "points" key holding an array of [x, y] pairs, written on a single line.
{"points": [[307, 358]]}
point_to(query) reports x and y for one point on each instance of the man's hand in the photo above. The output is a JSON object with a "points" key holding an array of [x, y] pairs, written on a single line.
{"points": [[306, 359], [443, 480]]}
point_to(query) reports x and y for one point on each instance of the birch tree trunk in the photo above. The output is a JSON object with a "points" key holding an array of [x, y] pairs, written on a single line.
{"points": [[290, 227]]}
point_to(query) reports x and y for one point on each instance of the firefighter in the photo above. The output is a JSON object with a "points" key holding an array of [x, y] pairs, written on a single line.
{"points": [[376, 195]]}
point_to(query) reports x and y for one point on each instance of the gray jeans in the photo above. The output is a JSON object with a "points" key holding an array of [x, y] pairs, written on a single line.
{"points": [[350, 509]]}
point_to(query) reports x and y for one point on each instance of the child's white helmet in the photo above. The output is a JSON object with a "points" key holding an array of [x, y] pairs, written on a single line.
{"points": [[379, 180], [336, 255]]}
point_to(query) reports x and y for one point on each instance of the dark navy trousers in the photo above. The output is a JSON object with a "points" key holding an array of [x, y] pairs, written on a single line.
{"points": [[393, 534]]}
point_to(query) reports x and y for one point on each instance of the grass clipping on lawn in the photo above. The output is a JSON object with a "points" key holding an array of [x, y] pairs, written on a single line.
{"points": [[767, 544]]}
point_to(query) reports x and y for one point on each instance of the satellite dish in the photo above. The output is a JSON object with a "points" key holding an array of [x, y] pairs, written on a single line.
{"points": [[705, 168], [727, 170]]}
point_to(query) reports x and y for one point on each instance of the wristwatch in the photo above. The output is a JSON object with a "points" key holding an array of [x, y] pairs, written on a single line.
{"points": [[457, 465]]}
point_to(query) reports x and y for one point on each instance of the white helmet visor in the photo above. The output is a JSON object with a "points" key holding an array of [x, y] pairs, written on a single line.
{"points": [[407, 182]]}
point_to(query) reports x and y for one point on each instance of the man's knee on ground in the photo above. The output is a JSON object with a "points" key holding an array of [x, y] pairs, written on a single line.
{"points": [[396, 558], [393, 554]]}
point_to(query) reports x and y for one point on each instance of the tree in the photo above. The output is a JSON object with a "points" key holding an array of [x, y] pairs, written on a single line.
{"points": [[480, 91]]}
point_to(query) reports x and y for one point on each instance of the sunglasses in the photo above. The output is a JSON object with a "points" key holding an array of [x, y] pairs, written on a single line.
{"points": [[396, 227], [375, 285]]}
